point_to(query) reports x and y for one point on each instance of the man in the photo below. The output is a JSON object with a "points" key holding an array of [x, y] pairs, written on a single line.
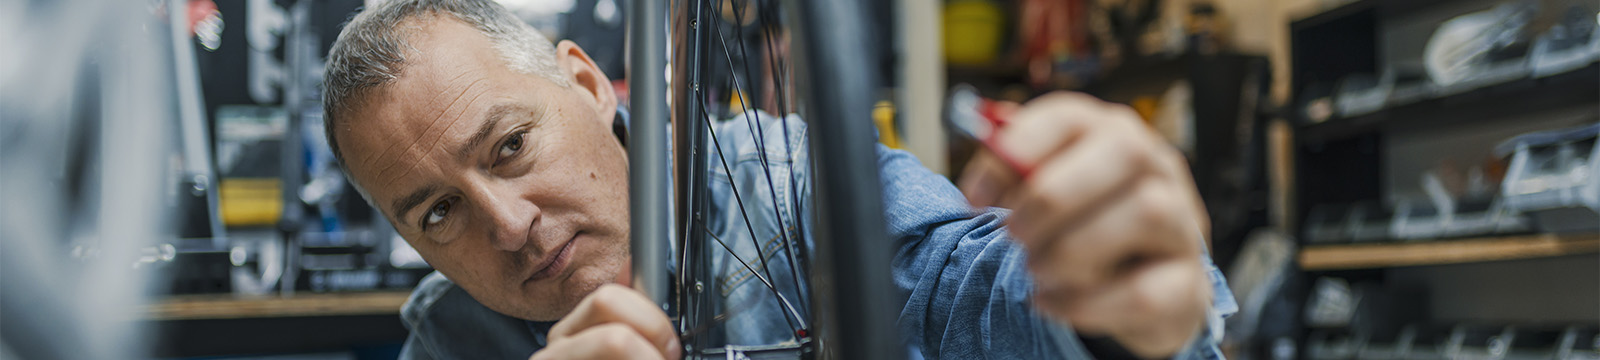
{"points": [[491, 151]]}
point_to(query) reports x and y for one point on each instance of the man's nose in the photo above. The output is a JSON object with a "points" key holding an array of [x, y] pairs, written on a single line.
{"points": [[511, 217]]}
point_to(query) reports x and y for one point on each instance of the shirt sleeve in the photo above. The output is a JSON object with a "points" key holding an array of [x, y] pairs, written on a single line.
{"points": [[967, 292]]}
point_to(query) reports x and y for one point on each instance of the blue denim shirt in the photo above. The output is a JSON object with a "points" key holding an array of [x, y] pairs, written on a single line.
{"points": [[966, 288]]}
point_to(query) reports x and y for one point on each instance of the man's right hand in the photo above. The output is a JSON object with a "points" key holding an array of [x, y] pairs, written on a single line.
{"points": [[613, 322]]}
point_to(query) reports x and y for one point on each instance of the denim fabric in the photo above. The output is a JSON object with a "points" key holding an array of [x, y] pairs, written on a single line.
{"points": [[756, 318], [967, 293]]}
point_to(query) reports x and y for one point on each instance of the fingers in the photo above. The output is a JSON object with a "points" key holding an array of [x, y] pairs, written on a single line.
{"points": [[986, 179], [613, 304], [605, 341], [1166, 318], [1076, 182], [1034, 132], [1049, 127], [1088, 173], [1153, 315], [1109, 216], [1081, 255], [1049, 123]]}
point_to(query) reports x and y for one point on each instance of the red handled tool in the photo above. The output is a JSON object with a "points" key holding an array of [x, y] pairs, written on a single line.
{"points": [[982, 120]]}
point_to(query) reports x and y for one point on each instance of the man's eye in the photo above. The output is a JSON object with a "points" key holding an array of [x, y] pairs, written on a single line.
{"points": [[436, 214], [512, 145]]}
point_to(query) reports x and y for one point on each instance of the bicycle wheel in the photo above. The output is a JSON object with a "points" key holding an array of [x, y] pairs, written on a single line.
{"points": [[849, 310]]}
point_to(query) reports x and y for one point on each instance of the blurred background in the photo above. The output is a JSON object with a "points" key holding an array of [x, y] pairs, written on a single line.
{"points": [[1387, 179]]}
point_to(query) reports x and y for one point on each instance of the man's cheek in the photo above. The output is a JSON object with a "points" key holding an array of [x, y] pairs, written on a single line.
{"points": [[460, 267]]}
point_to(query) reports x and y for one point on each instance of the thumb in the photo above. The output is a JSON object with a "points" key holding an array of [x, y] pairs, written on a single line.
{"points": [[985, 180]]}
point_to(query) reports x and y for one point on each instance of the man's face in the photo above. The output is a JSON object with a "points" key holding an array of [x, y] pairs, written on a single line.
{"points": [[511, 185]]}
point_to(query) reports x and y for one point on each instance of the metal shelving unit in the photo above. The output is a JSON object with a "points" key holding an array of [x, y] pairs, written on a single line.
{"points": [[1373, 153]]}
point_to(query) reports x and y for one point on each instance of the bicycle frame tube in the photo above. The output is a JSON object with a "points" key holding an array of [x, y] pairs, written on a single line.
{"points": [[647, 165]]}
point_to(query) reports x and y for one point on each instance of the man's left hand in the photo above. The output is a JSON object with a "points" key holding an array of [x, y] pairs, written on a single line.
{"points": [[1109, 217]]}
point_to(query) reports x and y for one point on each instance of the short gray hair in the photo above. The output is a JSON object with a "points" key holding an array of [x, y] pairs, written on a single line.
{"points": [[371, 50]]}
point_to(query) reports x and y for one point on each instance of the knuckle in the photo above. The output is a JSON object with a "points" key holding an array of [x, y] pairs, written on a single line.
{"points": [[631, 344], [1076, 127], [1123, 111], [1143, 302], [609, 290], [1172, 159], [563, 328], [1066, 101], [1156, 157], [1144, 207], [1133, 128], [616, 338], [1151, 204], [1165, 153], [611, 299], [664, 329], [1129, 153], [603, 304], [1083, 98], [1064, 97]]}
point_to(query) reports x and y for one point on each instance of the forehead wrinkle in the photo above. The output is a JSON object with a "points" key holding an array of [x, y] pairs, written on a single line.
{"points": [[410, 28], [463, 90], [437, 136], [411, 166]]}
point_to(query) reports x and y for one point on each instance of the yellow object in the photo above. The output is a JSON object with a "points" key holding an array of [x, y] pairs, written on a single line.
{"points": [[736, 102], [883, 117], [1146, 106], [972, 31], [250, 201]]}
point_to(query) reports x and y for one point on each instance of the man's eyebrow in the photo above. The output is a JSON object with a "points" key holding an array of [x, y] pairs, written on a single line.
{"points": [[403, 205], [491, 120]]}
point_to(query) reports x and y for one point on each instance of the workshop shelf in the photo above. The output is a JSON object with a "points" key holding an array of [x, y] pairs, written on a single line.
{"points": [[1504, 101], [1439, 252], [199, 307]]}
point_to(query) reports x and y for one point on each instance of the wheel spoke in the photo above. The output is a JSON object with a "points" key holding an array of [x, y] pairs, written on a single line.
{"points": [[783, 118], [739, 201], [693, 267], [769, 22], [729, 313], [760, 138], [787, 305]]}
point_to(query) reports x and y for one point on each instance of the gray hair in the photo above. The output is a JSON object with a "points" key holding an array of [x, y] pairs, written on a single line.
{"points": [[371, 51]]}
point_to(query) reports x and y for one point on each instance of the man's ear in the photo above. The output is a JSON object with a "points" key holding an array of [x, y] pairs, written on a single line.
{"points": [[582, 72]]}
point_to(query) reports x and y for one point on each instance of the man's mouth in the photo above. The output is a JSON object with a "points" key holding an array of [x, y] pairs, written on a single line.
{"points": [[556, 263]]}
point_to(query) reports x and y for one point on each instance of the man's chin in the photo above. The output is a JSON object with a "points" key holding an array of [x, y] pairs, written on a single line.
{"points": [[564, 292]]}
